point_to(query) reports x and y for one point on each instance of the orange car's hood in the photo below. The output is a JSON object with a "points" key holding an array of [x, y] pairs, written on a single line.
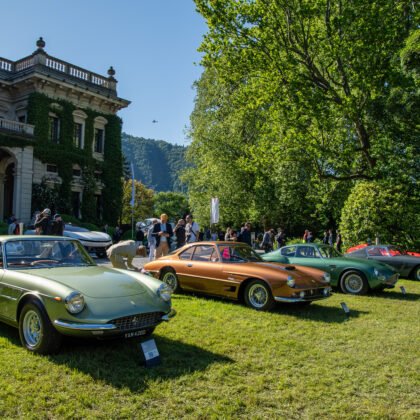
{"points": [[303, 276]]}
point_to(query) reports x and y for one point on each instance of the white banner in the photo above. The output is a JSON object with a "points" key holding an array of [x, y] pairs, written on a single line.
{"points": [[214, 210]]}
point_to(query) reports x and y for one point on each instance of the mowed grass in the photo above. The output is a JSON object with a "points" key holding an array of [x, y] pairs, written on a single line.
{"points": [[223, 360]]}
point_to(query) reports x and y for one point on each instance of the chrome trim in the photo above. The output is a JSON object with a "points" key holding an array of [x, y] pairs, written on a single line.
{"points": [[282, 299], [169, 315], [84, 327]]}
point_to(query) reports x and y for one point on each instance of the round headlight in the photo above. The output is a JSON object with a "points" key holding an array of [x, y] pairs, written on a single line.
{"points": [[75, 302], [327, 277], [290, 281], [376, 272], [165, 292]]}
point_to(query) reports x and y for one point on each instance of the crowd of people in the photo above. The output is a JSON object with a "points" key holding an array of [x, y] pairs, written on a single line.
{"points": [[161, 233], [44, 224]]}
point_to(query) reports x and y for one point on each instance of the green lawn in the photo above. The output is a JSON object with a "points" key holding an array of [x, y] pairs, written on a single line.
{"points": [[223, 360]]}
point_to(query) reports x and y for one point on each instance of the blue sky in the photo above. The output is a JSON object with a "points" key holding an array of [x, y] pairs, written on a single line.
{"points": [[152, 45]]}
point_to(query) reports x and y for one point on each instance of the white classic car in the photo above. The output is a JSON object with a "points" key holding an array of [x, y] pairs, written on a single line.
{"points": [[95, 242]]}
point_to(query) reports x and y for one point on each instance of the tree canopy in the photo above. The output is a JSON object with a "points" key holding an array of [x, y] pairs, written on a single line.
{"points": [[298, 101]]}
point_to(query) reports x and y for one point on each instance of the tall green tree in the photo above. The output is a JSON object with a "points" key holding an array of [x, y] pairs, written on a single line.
{"points": [[175, 205], [323, 72]]}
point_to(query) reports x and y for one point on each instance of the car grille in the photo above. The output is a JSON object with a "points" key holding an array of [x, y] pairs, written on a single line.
{"points": [[314, 293], [135, 322]]}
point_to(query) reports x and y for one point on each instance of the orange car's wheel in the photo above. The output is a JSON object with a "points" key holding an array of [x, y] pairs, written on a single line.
{"points": [[258, 296], [169, 277]]}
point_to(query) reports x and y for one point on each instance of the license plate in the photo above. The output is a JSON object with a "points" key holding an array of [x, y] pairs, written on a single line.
{"points": [[134, 334]]}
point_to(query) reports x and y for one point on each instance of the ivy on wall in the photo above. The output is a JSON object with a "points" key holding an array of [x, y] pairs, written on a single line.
{"points": [[65, 154]]}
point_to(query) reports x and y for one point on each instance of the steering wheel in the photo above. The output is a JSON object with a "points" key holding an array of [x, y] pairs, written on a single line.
{"points": [[43, 262]]}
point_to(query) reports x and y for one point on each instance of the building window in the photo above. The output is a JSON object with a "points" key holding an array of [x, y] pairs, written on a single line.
{"points": [[78, 135], [22, 118], [52, 168], [99, 141], [77, 172], [54, 129]]}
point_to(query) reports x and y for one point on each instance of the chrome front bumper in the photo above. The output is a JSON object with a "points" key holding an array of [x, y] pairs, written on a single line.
{"points": [[292, 300], [74, 327]]}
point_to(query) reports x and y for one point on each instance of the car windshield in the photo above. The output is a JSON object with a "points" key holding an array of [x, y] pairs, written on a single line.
{"points": [[395, 250], [238, 253], [38, 253], [72, 228], [328, 252]]}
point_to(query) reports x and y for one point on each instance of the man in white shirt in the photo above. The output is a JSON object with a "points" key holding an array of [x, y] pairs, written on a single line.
{"points": [[191, 230]]}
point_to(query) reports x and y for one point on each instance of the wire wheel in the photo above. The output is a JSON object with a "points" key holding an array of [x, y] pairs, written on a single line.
{"points": [[354, 283], [170, 278], [258, 296]]}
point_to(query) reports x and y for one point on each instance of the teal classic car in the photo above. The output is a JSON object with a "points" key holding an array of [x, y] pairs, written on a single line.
{"points": [[50, 287], [352, 275]]}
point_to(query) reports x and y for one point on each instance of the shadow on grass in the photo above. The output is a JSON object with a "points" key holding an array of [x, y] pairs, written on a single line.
{"points": [[318, 313], [120, 363], [396, 295], [313, 312]]}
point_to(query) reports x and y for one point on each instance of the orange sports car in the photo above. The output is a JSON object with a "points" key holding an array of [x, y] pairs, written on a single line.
{"points": [[234, 270]]}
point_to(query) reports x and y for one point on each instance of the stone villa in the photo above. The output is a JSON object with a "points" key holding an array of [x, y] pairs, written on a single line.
{"points": [[58, 126]]}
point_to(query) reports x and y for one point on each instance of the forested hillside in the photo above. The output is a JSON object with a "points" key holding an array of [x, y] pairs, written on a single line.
{"points": [[156, 163]]}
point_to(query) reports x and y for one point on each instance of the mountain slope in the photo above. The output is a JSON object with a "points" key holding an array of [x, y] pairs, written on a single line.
{"points": [[156, 163]]}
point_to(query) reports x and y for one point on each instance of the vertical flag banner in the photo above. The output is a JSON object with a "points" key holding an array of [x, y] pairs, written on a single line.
{"points": [[133, 193], [214, 210]]}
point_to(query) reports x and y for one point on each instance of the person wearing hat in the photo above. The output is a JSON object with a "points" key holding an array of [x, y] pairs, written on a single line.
{"points": [[162, 232], [42, 222], [125, 249], [56, 226]]}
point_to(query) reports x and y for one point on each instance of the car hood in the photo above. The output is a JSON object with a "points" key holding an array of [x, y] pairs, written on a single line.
{"points": [[93, 281], [304, 276]]}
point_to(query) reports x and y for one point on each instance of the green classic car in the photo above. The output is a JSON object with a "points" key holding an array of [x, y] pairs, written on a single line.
{"points": [[352, 275], [50, 287]]}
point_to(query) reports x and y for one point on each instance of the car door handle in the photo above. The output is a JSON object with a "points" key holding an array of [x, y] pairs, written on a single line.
{"points": [[333, 266], [189, 265]]}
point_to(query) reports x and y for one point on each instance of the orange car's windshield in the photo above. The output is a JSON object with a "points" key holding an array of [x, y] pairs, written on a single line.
{"points": [[238, 253]]}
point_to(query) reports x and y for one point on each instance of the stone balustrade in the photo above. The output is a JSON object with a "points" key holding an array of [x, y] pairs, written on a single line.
{"points": [[17, 127], [44, 60]]}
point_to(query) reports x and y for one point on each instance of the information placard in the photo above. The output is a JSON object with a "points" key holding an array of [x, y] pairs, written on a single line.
{"points": [[151, 353]]}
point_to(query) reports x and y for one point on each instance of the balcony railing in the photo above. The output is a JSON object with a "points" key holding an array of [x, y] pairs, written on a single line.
{"points": [[58, 65], [16, 127]]}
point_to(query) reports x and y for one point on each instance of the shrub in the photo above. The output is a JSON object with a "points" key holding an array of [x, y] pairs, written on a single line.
{"points": [[375, 209]]}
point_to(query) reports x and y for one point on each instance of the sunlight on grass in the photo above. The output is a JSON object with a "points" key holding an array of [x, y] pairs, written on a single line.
{"points": [[223, 360]]}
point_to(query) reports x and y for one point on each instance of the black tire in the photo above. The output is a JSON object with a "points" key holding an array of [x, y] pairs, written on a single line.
{"points": [[257, 295], [36, 331], [416, 273], [354, 283], [169, 277]]}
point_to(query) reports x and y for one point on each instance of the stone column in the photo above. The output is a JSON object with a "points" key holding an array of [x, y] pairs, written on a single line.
{"points": [[22, 199]]}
